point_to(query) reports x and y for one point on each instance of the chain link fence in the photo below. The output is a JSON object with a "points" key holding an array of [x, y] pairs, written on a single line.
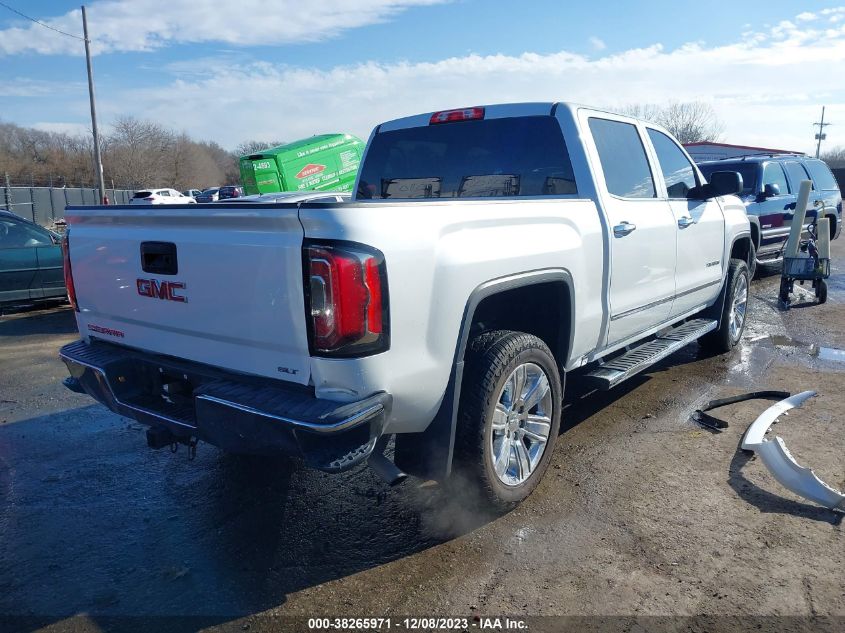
{"points": [[45, 205]]}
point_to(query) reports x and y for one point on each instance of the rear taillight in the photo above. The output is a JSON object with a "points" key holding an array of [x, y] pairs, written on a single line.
{"points": [[71, 291], [463, 114], [346, 300]]}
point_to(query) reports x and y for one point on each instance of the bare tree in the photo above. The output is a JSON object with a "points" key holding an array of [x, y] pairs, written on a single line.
{"points": [[690, 122], [835, 157], [136, 154], [226, 161], [693, 122], [645, 111], [253, 147], [44, 158], [139, 152]]}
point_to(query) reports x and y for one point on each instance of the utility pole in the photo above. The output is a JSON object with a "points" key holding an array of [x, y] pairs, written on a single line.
{"points": [[821, 135], [98, 159]]}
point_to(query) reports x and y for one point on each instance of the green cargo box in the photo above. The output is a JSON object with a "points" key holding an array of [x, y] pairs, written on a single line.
{"points": [[328, 162]]}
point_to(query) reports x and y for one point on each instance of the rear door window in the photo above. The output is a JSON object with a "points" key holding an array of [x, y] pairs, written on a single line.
{"points": [[676, 167], [15, 234], [773, 175], [510, 157], [623, 159], [821, 175], [796, 173]]}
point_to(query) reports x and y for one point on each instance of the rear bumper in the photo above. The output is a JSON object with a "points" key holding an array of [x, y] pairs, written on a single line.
{"points": [[237, 413]]}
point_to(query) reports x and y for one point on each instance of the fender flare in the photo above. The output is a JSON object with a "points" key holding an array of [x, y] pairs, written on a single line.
{"points": [[428, 455], [755, 221]]}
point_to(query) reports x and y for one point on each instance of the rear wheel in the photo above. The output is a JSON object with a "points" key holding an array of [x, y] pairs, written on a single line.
{"points": [[821, 291], [734, 312], [508, 419]]}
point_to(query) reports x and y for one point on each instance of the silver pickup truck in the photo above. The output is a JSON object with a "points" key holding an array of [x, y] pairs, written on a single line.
{"points": [[486, 252]]}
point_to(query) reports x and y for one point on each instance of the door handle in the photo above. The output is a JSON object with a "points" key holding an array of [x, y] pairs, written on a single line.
{"points": [[685, 221], [623, 229]]}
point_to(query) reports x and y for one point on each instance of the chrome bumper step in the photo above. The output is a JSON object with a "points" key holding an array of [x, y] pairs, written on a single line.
{"points": [[631, 363]]}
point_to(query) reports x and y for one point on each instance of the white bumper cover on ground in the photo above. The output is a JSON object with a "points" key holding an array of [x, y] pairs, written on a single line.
{"points": [[800, 480]]}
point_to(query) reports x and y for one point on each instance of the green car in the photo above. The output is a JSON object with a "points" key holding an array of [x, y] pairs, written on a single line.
{"points": [[30, 262], [328, 162]]}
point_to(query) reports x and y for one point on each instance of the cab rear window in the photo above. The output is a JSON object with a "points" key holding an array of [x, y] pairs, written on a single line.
{"points": [[511, 157]]}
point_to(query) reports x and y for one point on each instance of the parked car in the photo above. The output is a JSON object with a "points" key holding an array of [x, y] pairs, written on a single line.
{"points": [[486, 252], [192, 193], [161, 196], [770, 190], [292, 197], [230, 191], [209, 195], [30, 261]]}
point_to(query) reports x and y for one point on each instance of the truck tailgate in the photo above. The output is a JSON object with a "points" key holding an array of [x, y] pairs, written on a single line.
{"points": [[233, 298]]}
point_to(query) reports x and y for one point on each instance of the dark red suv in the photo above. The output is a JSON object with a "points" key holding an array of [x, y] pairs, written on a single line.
{"points": [[230, 191]]}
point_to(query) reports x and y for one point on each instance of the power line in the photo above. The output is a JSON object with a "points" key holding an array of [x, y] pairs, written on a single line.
{"points": [[46, 26]]}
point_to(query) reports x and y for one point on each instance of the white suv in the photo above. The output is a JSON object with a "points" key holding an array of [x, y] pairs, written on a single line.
{"points": [[161, 196]]}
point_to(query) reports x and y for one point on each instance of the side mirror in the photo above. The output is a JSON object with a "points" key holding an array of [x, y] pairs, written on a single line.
{"points": [[771, 189], [723, 183]]}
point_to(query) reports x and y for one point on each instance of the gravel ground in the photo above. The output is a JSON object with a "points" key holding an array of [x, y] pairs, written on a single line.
{"points": [[642, 513]]}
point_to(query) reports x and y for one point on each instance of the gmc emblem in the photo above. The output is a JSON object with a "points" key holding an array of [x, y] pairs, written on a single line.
{"points": [[161, 289]]}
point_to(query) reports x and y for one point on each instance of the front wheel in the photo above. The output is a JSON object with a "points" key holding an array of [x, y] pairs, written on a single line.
{"points": [[508, 419], [734, 312]]}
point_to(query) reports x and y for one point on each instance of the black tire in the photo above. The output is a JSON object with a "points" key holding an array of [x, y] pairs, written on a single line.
{"points": [[821, 291], [722, 339], [491, 359], [752, 262]]}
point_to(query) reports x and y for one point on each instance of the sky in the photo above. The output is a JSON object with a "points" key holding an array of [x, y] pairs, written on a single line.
{"points": [[231, 71]]}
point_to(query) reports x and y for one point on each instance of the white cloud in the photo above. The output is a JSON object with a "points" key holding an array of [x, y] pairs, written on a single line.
{"points": [[806, 17], [597, 43], [27, 87], [143, 25], [768, 88], [74, 129]]}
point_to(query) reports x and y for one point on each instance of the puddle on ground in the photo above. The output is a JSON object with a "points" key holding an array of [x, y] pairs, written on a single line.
{"points": [[831, 353], [824, 353]]}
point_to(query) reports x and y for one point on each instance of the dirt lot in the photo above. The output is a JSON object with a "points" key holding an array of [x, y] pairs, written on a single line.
{"points": [[642, 513]]}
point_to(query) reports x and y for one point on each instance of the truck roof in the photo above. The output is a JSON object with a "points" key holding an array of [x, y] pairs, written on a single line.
{"points": [[501, 111]]}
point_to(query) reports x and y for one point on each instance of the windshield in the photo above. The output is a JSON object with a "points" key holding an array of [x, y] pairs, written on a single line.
{"points": [[523, 156], [748, 171]]}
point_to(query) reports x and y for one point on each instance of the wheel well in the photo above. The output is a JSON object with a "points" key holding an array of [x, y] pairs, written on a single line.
{"points": [[743, 250], [832, 219], [542, 309]]}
